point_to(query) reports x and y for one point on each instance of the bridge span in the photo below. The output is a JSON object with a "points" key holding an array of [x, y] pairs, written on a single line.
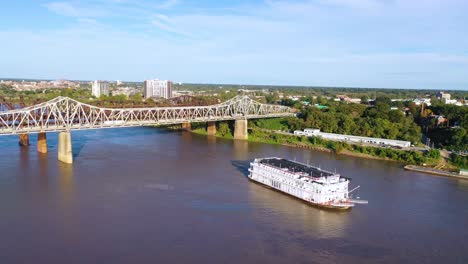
{"points": [[64, 114]]}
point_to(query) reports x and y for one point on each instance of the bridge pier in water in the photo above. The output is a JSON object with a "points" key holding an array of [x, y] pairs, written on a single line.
{"points": [[42, 142], [187, 126], [23, 140], [240, 129], [63, 112], [65, 154], [211, 128]]}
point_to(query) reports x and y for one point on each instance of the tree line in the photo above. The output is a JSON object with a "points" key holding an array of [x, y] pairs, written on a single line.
{"points": [[378, 121]]}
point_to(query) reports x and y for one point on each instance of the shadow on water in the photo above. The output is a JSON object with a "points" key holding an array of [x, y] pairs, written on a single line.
{"points": [[80, 140], [78, 145], [242, 166], [24, 157], [43, 171]]}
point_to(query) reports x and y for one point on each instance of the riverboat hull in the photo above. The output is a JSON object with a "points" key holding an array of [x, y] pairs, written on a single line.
{"points": [[322, 206]]}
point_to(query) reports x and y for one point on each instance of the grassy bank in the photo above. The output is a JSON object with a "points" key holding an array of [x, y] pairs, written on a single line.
{"points": [[407, 157], [225, 130], [459, 161]]}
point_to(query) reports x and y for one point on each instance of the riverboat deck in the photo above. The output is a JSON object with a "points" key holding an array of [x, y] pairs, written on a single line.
{"points": [[297, 167]]}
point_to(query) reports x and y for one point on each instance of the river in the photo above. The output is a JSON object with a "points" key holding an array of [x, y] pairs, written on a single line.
{"points": [[146, 195]]}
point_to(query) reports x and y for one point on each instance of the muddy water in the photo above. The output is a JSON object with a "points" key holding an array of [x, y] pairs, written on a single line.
{"points": [[143, 195]]}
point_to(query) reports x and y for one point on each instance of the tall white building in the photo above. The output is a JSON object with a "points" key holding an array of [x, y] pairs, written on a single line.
{"points": [[157, 88], [100, 88]]}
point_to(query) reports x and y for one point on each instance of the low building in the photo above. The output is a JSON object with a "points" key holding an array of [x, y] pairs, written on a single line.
{"points": [[454, 102], [345, 98], [300, 133], [183, 92], [246, 90], [320, 106], [442, 95], [311, 132], [419, 101], [355, 100]]}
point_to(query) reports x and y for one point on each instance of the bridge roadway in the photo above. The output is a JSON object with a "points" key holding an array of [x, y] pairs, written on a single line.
{"points": [[64, 114]]}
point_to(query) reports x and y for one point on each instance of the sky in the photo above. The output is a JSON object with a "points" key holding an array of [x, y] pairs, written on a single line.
{"points": [[419, 44]]}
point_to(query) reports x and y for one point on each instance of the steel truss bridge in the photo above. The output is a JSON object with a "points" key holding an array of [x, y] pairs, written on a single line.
{"points": [[65, 114]]}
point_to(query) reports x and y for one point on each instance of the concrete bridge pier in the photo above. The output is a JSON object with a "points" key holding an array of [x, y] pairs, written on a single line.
{"points": [[42, 142], [240, 129], [23, 140], [65, 154], [211, 128], [187, 126]]}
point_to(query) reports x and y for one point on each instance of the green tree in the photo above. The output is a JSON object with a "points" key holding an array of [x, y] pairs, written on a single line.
{"points": [[365, 99], [272, 98], [135, 97], [224, 129], [433, 154], [396, 116]]}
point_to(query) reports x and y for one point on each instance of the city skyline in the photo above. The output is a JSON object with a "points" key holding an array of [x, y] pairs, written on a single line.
{"points": [[345, 43]]}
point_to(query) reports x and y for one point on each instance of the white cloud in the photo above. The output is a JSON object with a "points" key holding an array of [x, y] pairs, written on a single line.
{"points": [[163, 26], [167, 4], [163, 18], [164, 23], [357, 4], [68, 9]]}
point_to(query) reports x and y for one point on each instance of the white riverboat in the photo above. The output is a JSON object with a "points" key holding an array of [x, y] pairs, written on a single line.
{"points": [[311, 184]]}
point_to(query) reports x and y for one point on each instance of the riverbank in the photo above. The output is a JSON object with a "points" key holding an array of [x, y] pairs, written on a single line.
{"points": [[408, 157], [338, 148], [435, 172]]}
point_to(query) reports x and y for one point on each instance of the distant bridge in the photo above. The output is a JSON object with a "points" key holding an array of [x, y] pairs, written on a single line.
{"points": [[64, 114]]}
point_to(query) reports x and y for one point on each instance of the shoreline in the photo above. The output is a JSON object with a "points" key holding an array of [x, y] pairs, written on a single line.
{"points": [[435, 172], [415, 168], [365, 156], [323, 149], [311, 147]]}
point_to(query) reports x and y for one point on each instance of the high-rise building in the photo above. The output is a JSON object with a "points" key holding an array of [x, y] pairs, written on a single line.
{"points": [[100, 88], [157, 88]]}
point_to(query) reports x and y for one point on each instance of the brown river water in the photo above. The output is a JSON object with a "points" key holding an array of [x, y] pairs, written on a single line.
{"points": [[146, 195]]}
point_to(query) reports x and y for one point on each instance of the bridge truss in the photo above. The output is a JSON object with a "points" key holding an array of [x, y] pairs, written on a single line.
{"points": [[64, 114]]}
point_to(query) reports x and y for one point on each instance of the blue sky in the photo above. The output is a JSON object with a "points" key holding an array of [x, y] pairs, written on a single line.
{"points": [[357, 43]]}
